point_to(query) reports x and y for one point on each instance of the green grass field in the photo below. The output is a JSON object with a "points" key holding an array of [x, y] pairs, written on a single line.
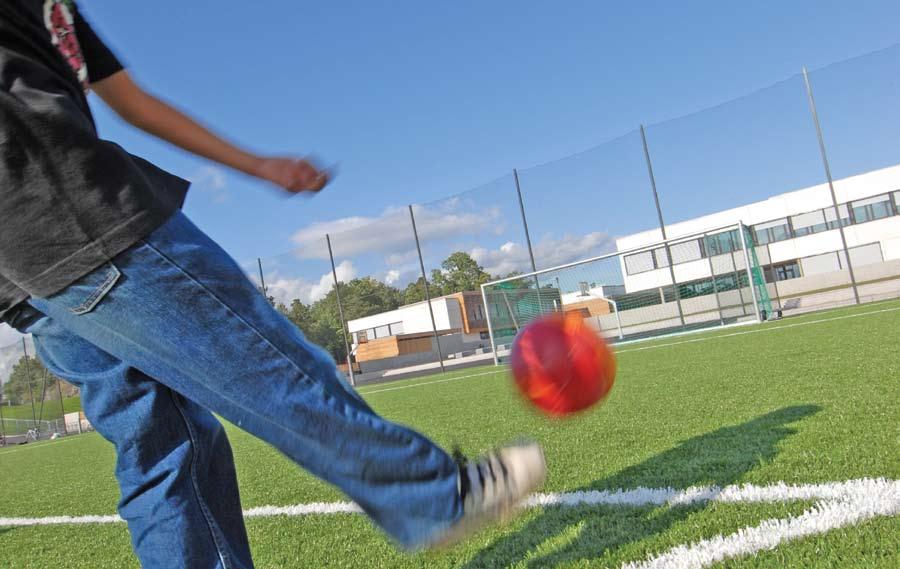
{"points": [[51, 411], [811, 399]]}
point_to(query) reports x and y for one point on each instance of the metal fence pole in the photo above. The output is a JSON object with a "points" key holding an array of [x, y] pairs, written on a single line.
{"points": [[62, 408], [337, 293], [2, 422], [756, 310], [262, 279], [487, 313], [30, 387], [837, 213], [662, 226], [537, 282], [437, 340], [712, 273], [774, 277]]}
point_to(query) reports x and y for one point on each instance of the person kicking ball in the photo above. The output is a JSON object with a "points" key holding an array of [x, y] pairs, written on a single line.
{"points": [[159, 327]]}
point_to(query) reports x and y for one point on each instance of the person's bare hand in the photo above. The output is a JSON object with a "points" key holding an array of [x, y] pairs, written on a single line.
{"points": [[292, 174]]}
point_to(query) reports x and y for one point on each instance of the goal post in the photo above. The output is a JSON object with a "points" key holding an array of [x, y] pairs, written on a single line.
{"points": [[630, 294]]}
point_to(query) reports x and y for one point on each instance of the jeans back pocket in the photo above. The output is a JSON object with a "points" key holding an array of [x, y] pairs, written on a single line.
{"points": [[86, 293]]}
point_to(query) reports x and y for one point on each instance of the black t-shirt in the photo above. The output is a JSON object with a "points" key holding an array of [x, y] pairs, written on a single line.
{"points": [[69, 201]]}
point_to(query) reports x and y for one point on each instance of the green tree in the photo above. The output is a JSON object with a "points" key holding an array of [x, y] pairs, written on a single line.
{"points": [[415, 291], [459, 273], [30, 379]]}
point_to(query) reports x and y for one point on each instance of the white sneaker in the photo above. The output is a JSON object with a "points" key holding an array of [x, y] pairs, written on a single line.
{"points": [[493, 487]]}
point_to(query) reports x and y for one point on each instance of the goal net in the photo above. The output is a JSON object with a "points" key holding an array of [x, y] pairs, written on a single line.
{"points": [[709, 279]]}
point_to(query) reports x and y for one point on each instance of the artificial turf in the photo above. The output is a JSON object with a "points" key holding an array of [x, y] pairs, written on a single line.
{"points": [[806, 400]]}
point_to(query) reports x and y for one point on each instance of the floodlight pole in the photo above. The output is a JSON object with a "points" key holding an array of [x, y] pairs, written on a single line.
{"points": [[662, 227], [749, 268], [337, 293], [834, 203], [30, 387], [437, 340]]}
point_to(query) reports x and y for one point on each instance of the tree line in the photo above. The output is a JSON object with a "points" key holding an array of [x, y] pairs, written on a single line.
{"points": [[365, 296]]}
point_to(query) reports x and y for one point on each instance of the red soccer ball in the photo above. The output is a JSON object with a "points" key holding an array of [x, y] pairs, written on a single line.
{"points": [[561, 365]]}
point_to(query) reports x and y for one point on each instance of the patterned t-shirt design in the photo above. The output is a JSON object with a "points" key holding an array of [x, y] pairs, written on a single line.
{"points": [[60, 21]]}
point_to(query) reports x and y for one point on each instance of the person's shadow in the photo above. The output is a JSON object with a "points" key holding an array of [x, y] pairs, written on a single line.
{"points": [[718, 458]]}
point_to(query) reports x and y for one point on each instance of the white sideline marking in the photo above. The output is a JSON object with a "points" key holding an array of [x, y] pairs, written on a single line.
{"points": [[759, 330], [878, 494], [430, 382]]}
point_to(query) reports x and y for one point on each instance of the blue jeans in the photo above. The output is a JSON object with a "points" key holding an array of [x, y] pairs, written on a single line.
{"points": [[172, 329]]}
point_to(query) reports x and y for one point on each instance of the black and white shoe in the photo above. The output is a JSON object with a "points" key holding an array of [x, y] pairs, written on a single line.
{"points": [[492, 487]]}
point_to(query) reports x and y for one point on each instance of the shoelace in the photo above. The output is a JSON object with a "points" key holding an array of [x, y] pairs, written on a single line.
{"points": [[488, 460]]}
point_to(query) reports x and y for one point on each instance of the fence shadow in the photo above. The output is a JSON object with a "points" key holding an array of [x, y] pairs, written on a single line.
{"points": [[718, 458]]}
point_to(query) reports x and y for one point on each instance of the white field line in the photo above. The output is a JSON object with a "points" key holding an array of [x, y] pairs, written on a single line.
{"points": [[431, 382], [655, 346], [760, 330], [833, 513], [879, 493]]}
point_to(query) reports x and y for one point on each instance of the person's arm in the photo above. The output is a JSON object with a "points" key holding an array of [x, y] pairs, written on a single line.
{"points": [[154, 116]]}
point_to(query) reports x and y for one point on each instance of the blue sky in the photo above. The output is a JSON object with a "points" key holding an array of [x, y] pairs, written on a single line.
{"points": [[420, 100]]}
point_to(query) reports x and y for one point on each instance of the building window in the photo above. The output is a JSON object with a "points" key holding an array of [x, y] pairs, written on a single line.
{"points": [[382, 331], [871, 209], [477, 312], [685, 252], [396, 328], [896, 202], [831, 218], [639, 263], [722, 243], [362, 337], [772, 231], [661, 258], [809, 223], [787, 271], [484, 335]]}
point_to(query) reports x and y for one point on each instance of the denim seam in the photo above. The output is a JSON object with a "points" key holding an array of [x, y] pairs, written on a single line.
{"points": [[235, 314], [101, 290], [210, 523]]}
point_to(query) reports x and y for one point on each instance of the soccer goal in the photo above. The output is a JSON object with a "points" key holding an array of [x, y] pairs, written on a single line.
{"points": [[703, 280]]}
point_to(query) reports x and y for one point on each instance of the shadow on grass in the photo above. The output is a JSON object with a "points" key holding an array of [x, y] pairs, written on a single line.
{"points": [[718, 458]]}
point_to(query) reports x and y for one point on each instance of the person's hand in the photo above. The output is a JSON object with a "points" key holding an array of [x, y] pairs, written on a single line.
{"points": [[293, 174]]}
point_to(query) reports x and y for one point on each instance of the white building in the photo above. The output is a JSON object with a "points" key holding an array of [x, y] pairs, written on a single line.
{"points": [[798, 242]]}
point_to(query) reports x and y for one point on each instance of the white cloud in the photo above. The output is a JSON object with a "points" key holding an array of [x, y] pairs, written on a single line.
{"points": [[392, 277], [285, 290], [549, 252], [391, 232], [211, 180]]}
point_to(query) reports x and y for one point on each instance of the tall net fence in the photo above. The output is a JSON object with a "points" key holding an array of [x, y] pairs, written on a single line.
{"points": [[809, 166], [671, 286]]}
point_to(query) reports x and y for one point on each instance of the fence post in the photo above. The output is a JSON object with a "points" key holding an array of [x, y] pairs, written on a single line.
{"points": [[712, 273], [262, 279], [487, 313], [2, 422], [774, 277], [834, 203], [537, 282], [337, 293], [437, 340], [662, 228], [756, 310], [62, 408], [30, 387]]}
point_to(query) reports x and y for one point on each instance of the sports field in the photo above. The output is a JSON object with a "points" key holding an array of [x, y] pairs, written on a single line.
{"points": [[789, 431]]}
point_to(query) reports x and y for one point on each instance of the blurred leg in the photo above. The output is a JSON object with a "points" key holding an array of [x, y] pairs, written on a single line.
{"points": [[174, 463], [178, 308]]}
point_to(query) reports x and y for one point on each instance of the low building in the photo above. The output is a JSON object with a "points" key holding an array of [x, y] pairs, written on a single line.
{"points": [[798, 245]]}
